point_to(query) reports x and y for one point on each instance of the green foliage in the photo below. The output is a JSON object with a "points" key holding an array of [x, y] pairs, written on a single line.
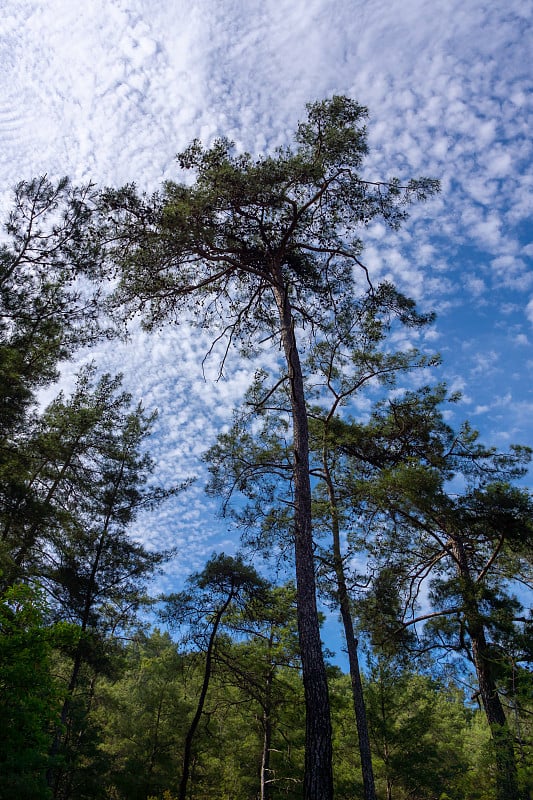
{"points": [[93, 570], [30, 696], [471, 549], [254, 459], [143, 717], [100, 487], [427, 742], [43, 316], [72, 479], [145, 714], [417, 729], [243, 242], [226, 582], [478, 781], [226, 234]]}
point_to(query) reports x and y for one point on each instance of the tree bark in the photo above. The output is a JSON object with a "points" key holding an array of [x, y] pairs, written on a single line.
{"points": [[54, 779], [187, 750], [367, 772], [502, 739], [318, 775], [267, 739]]}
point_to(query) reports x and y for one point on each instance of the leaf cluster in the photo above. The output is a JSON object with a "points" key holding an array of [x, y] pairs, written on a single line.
{"points": [[219, 244]]}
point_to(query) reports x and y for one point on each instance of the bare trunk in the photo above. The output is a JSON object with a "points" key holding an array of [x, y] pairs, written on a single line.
{"points": [[267, 741], [318, 776], [506, 771], [369, 789], [385, 741], [29, 538], [155, 744], [187, 750], [55, 778]]}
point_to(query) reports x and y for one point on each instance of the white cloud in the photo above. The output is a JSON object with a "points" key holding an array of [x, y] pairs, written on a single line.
{"points": [[476, 286], [513, 272], [111, 91], [521, 339], [485, 363], [529, 311]]}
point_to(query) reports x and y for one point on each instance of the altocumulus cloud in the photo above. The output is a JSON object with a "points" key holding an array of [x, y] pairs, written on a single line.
{"points": [[112, 89]]}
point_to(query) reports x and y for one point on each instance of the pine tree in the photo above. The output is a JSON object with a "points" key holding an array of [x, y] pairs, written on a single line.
{"points": [[261, 249]]}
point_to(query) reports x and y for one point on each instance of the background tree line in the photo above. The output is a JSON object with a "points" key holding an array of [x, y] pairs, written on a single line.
{"points": [[416, 534]]}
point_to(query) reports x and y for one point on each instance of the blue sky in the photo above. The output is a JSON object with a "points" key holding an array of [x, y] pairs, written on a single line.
{"points": [[111, 90]]}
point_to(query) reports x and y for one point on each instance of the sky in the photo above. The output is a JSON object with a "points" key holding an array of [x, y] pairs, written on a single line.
{"points": [[110, 90]]}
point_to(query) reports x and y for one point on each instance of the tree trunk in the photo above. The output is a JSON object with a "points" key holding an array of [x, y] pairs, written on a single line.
{"points": [[187, 750], [502, 739], [318, 775], [155, 744], [267, 740], [30, 535], [54, 781], [385, 741], [369, 789], [506, 771]]}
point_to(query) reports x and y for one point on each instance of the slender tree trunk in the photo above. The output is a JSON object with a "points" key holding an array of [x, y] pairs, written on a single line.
{"points": [[385, 741], [318, 775], [54, 779], [61, 735], [369, 789], [267, 739], [506, 771], [155, 744], [187, 750], [502, 739], [30, 535]]}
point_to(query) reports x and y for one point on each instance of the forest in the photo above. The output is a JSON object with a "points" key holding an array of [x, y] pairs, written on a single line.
{"points": [[411, 531]]}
